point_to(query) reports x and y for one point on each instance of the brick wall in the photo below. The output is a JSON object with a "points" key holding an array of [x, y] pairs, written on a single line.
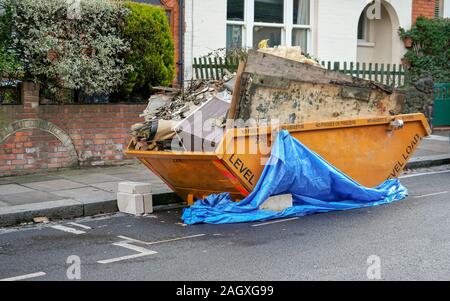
{"points": [[96, 134], [423, 8], [175, 9]]}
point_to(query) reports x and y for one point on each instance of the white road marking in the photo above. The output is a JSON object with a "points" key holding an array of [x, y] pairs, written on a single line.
{"points": [[141, 252], [80, 225], [67, 229], [23, 277], [131, 239], [161, 241], [276, 222], [431, 194], [424, 174]]}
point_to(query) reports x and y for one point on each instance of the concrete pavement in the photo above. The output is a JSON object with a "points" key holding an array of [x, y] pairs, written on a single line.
{"points": [[408, 238], [72, 193], [85, 192]]}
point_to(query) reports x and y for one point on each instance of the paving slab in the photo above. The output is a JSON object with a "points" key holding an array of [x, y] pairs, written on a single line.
{"points": [[85, 194], [107, 186], [13, 188], [30, 178], [28, 197], [92, 178], [54, 185]]}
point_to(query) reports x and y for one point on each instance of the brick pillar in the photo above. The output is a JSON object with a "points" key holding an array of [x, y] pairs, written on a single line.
{"points": [[423, 8], [30, 97]]}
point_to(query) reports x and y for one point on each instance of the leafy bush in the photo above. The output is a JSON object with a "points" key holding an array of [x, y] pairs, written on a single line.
{"points": [[430, 51], [10, 64], [152, 49], [75, 53]]}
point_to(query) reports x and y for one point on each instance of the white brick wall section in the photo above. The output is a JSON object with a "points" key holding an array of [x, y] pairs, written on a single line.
{"points": [[130, 203], [135, 187]]}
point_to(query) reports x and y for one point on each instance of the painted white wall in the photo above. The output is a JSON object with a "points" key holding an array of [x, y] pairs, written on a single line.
{"points": [[446, 9], [205, 29], [334, 28], [337, 25]]}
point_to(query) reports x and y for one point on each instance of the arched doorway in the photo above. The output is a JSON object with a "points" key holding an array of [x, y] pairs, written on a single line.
{"points": [[378, 41]]}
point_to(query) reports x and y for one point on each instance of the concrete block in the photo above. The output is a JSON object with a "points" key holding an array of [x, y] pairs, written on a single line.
{"points": [[277, 203], [135, 187], [148, 203], [130, 203]]}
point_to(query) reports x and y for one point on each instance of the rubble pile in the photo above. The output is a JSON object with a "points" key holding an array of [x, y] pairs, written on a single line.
{"points": [[168, 108]]}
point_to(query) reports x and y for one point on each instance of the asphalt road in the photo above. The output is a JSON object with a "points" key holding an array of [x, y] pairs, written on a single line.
{"points": [[409, 240]]}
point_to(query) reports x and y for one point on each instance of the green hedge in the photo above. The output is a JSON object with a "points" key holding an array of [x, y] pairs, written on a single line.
{"points": [[152, 49], [430, 51]]}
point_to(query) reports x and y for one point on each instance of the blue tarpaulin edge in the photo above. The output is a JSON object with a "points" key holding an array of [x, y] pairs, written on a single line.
{"points": [[316, 186]]}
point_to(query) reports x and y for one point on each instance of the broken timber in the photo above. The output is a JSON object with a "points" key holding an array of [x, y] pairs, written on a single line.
{"points": [[274, 88]]}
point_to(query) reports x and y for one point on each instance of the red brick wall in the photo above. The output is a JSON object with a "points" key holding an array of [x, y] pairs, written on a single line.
{"points": [[32, 150], [98, 132], [173, 5], [423, 8]]}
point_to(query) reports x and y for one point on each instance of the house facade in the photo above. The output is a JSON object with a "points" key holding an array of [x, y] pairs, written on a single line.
{"points": [[331, 30]]}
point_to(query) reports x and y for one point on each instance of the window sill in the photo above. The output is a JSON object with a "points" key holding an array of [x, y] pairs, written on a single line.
{"points": [[362, 43]]}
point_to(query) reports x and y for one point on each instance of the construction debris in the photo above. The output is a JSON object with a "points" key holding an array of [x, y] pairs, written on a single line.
{"points": [[167, 109], [290, 53], [274, 85]]}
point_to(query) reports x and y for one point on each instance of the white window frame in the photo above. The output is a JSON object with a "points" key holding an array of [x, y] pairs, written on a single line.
{"points": [[286, 27], [367, 39]]}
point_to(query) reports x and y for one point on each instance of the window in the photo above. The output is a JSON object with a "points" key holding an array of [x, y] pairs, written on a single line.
{"points": [[269, 11], [282, 22], [273, 34], [300, 38], [301, 12], [235, 23], [442, 9], [438, 8], [362, 27], [235, 10], [234, 36]]}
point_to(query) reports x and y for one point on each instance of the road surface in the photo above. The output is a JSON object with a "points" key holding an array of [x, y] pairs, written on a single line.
{"points": [[406, 240]]}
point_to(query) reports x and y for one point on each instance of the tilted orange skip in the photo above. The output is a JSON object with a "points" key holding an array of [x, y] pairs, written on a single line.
{"points": [[369, 150]]}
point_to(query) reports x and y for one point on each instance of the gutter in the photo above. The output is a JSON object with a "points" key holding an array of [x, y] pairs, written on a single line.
{"points": [[181, 43]]}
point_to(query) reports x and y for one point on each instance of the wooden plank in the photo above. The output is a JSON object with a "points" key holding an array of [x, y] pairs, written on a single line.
{"points": [[370, 71], [382, 73], [216, 68], [376, 72], [394, 74], [388, 72], [211, 69], [270, 65], [236, 92], [196, 68], [364, 71]]}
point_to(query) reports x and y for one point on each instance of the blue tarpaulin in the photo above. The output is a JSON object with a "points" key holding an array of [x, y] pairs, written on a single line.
{"points": [[316, 186]]}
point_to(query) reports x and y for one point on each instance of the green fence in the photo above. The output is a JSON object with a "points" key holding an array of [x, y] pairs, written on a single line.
{"points": [[213, 67], [441, 110], [388, 74]]}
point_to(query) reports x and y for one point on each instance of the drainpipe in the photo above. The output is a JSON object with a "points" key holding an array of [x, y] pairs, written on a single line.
{"points": [[181, 43]]}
